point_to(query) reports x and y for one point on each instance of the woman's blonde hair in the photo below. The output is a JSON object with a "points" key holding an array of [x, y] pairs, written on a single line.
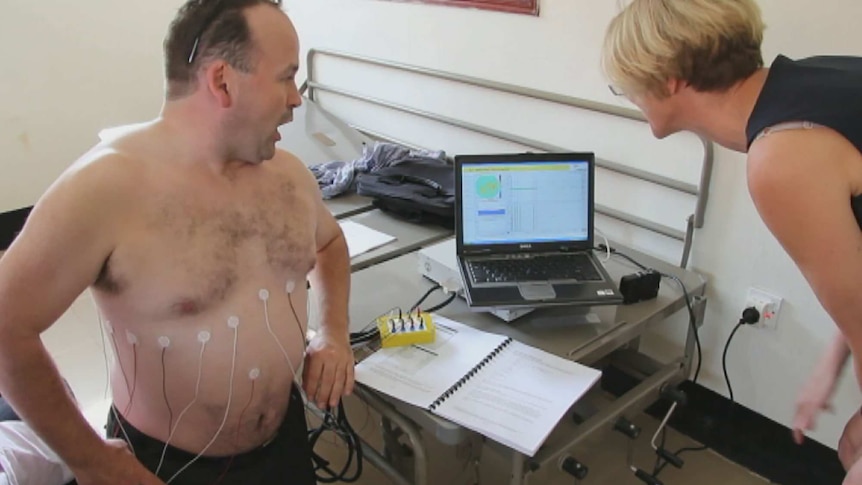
{"points": [[710, 44]]}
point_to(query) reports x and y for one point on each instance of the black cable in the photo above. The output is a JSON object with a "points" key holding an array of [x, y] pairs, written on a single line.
{"points": [[724, 361], [692, 322], [749, 316], [678, 452], [442, 305], [336, 422], [629, 259], [362, 340], [661, 464], [371, 332], [691, 318], [364, 333], [425, 297]]}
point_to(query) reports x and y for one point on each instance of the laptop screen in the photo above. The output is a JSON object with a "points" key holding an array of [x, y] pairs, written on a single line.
{"points": [[525, 202]]}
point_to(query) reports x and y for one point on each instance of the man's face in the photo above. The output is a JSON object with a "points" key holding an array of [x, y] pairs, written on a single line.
{"points": [[268, 95]]}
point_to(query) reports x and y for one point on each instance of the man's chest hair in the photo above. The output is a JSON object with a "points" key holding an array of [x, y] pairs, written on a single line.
{"points": [[205, 245]]}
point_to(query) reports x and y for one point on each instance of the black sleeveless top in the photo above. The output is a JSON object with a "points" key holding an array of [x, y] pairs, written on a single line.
{"points": [[825, 90]]}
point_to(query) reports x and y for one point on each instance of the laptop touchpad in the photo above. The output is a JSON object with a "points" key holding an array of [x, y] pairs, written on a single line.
{"points": [[537, 291]]}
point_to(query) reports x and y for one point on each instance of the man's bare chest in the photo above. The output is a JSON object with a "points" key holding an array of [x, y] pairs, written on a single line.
{"points": [[189, 253]]}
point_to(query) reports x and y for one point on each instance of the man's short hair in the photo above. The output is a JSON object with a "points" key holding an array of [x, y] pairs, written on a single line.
{"points": [[710, 44], [205, 30]]}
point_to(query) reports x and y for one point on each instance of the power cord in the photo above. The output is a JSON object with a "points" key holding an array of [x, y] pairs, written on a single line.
{"points": [[660, 463], [750, 316], [691, 318]]}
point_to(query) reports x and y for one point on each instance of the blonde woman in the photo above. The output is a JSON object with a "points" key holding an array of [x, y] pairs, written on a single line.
{"points": [[696, 65]]}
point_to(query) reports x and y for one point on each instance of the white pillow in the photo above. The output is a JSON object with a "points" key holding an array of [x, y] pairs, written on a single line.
{"points": [[27, 460]]}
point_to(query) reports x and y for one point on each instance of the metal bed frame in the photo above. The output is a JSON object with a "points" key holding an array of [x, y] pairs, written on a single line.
{"points": [[655, 375], [701, 190]]}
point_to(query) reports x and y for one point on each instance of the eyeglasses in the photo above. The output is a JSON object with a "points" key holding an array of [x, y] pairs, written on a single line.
{"points": [[216, 11], [617, 91]]}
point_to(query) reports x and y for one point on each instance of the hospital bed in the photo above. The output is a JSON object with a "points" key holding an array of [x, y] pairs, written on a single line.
{"points": [[337, 120]]}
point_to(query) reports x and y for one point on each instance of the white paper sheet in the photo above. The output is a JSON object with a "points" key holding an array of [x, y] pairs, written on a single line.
{"points": [[361, 239]]}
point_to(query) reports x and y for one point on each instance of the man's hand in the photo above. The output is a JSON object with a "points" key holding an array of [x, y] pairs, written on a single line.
{"points": [[854, 474], [328, 371], [814, 398], [117, 465]]}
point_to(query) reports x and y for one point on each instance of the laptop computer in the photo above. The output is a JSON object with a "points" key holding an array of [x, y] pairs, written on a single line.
{"points": [[524, 231]]}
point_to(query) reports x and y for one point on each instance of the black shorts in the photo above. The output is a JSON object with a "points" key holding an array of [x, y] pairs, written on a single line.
{"points": [[285, 460]]}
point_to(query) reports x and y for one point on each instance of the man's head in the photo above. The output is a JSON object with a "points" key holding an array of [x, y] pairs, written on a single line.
{"points": [[653, 48], [241, 56]]}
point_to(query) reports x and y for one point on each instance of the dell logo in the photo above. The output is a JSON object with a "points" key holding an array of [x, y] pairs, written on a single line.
{"points": [[526, 246]]}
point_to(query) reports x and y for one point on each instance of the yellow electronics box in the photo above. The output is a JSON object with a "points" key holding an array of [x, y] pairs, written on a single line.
{"points": [[406, 329]]}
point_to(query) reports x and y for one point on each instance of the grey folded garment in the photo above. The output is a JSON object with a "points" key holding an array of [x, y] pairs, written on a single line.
{"points": [[337, 177]]}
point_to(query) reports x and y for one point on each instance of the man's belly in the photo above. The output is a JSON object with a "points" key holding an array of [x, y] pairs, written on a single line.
{"points": [[217, 383]]}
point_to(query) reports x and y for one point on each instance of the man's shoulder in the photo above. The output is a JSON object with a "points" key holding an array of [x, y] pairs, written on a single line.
{"points": [[138, 141], [103, 162], [103, 173], [289, 165], [117, 133], [293, 169], [286, 160]]}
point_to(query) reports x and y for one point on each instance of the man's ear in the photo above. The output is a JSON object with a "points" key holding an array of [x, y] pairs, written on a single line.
{"points": [[219, 82]]}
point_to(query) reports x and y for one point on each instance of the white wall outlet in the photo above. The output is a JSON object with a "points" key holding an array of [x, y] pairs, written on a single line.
{"points": [[767, 304]]}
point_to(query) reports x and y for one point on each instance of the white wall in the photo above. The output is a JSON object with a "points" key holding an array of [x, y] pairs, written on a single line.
{"points": [[72, 68], [69, 70]]}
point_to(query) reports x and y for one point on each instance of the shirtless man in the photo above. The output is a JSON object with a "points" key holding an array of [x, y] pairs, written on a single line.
{"points": [[196, 236], [696, 65]]}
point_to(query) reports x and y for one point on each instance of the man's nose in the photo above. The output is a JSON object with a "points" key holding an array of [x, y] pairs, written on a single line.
{"points": [[294, 99]]}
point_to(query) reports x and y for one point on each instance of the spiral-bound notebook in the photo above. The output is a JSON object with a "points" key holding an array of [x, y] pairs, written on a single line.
{"points": [[510, 392]]}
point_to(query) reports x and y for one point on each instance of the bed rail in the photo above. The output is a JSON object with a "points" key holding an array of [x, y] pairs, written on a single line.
{"points": [[700, 191]]}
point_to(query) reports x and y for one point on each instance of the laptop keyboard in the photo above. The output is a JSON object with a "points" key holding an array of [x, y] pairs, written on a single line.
{"points": [[534, 268]]}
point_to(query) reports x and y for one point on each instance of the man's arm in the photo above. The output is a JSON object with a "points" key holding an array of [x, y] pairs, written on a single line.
{"points": [[331, 277], [56, 257], [800, 182], [329, 373]]}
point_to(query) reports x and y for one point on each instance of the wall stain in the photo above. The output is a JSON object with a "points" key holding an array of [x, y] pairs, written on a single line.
{"points": [[24, 139]]}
